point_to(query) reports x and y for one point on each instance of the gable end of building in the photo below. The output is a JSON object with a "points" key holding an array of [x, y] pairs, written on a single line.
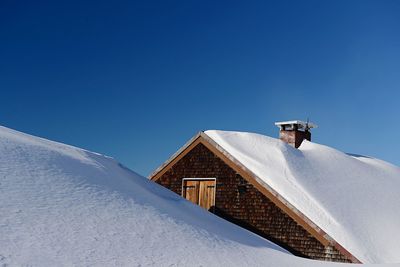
{"points": [[202, 157]]}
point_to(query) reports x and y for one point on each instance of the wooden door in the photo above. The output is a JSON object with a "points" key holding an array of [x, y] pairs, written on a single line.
{"points": [[200, 192], [207, 194], [191, 190]]}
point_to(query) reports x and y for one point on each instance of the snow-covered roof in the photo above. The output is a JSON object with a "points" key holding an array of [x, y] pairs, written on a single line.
{"points": [[354, 199]]}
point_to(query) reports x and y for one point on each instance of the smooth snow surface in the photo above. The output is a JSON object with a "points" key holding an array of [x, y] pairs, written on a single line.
{"points": [[64, 206], [354, 199]]}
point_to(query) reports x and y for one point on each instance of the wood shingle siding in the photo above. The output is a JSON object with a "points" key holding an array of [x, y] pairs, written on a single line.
{"points": [[242, 203]]}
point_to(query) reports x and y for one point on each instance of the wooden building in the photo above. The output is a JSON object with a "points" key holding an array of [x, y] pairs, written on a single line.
{"points": [[203, 172]]}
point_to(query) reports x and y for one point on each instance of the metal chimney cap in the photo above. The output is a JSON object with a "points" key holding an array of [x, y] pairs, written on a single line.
{"points": [[300, 124]]}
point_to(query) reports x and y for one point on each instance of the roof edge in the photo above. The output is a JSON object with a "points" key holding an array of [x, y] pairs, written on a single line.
{"points": [[154, 175], [318, 231]]}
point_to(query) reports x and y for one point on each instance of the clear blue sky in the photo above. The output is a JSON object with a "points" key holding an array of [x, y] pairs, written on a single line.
{"points": [[136, 79]]}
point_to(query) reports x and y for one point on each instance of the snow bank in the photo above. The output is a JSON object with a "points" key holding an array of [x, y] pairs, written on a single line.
{"points": [[355, 199], [64, 206]]}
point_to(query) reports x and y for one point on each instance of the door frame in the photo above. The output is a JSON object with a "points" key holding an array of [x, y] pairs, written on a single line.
{"points": [[201, 179]]}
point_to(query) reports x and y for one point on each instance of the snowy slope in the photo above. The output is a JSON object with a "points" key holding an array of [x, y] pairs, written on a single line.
{"points": [[64, 206], [355, 199]]}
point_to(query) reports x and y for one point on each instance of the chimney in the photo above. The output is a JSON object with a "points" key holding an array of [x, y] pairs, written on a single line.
{"points": [[294, 132]]}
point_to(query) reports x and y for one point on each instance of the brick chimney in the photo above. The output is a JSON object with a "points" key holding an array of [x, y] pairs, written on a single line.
{"points": [[294, 132]]}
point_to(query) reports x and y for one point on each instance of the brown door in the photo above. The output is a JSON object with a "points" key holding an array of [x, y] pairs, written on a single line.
{"points": [[191, 190], [200, 192]]}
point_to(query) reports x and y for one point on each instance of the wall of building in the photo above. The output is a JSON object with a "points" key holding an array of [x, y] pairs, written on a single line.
{"points": [[240, 202]]}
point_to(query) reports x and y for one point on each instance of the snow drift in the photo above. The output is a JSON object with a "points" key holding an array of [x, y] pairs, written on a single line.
{"points": [[64, 206], [354, 199]]}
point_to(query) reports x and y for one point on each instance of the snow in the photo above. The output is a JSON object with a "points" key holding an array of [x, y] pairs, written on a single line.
{"points": [[65, 206], [354, 199]]}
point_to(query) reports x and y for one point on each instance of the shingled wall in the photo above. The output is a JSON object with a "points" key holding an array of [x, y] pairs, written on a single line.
{"points": [[241, 203]]}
